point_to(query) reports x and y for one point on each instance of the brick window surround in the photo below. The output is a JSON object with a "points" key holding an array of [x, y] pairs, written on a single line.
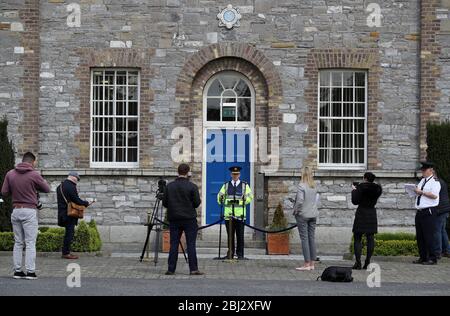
{"points": [[336, 58], [113, 58], [240, 57], [29, 80], [430, 70]]}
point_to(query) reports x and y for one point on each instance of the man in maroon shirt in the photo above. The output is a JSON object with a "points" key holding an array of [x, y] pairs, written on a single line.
{"points": [[23, 183]]}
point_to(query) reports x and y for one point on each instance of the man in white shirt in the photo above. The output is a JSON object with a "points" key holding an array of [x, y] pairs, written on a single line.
{"points": [[427, 199]]}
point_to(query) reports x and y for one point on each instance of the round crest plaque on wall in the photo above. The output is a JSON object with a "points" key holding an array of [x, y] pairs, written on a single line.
{"points": [[229, 17]]}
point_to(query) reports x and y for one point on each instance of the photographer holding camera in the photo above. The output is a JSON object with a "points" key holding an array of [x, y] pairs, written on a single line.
{"points": [[365, 195], [181, 198], [23, 183]]}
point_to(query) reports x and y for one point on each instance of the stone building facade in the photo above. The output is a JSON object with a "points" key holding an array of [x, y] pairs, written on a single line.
{"points": [[285, 49]]}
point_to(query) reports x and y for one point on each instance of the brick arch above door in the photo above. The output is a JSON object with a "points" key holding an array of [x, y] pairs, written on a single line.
{"points": [[242, 58], [222, 51]]}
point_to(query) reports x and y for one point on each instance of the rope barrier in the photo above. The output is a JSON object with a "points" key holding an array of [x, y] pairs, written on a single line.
{"points": [[270, 231], [249, 226], [199, 228]]}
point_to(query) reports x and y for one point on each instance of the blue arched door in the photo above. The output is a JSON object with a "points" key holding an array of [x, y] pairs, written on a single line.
{"points": [[225, 148]]}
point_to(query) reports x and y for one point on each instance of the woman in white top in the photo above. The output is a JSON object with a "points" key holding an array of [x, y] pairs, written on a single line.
{"points": [[306, 212]]}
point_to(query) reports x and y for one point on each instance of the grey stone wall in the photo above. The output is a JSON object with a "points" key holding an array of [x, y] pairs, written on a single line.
{"points": [[394, 207], [11, 70], [285, 30], [443, 38], [179, 28], [119, 200]]}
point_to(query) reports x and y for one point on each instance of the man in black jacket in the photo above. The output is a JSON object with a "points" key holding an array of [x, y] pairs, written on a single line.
{"points": [[442, 211], [67, 192], [181, 198]]}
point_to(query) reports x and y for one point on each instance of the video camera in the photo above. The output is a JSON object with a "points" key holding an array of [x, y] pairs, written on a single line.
{"points": [[161, 188]]}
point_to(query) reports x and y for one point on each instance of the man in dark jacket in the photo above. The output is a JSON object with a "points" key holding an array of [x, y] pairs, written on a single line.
{"points": [[181, 198], [67, 192], [365, 195], [442, 211], [23, 183]]}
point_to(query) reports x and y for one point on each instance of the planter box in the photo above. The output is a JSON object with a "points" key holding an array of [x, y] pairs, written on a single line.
{"points": [[166, 242], [278, 244]]}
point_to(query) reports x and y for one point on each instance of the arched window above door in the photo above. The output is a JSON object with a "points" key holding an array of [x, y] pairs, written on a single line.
{"points": [[229, 97]]}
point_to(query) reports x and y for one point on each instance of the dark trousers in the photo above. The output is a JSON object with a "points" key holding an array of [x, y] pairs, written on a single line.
{"points": [[237, 228], [68, 236], [425, 234], [189, 227], [358, 246]]}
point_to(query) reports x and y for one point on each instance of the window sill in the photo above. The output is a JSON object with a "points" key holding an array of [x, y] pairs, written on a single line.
{"points": [[354, 174], [137, 172]]}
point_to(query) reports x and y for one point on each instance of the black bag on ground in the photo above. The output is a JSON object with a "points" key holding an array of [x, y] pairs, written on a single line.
{"points": [[337, 274]]}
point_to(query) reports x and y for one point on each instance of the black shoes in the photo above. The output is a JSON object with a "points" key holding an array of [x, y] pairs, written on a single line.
{"points": [[429, 263], [242, 258], [196, 273], [425, 263], [357, 266], [31, 276], [28, 276], [192, 273], [366, 265], [19, 275]]}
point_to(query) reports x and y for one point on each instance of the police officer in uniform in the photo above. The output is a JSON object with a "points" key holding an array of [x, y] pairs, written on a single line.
{"points": [[427, 199], [235, 195]]}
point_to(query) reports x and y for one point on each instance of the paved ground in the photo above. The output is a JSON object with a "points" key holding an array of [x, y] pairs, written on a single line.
{"points": [[128, 276]]}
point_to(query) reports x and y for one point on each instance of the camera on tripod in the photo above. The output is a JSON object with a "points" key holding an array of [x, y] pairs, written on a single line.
{"points": [[161, 188]]}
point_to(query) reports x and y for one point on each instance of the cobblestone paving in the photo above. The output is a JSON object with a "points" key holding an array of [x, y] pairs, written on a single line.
{"points": [[257, 269]]}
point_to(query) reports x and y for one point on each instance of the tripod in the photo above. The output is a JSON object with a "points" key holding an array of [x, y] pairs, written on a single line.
{"points": [[153, 221]]}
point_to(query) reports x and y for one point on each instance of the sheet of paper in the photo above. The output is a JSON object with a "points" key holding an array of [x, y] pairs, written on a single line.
{"points": [[409, 188]]}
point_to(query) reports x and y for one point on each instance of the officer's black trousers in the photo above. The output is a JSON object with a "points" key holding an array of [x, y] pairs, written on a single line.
{"points": [[425, 228], [237, 228]]}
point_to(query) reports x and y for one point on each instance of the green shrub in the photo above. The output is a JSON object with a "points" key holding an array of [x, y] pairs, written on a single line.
{"points": [[438, 151], [391, 244], [6, 241], [6, 164], [279, 221], [49, 242], [395, 236], [396, 248], [50, 239], [87, 238]]}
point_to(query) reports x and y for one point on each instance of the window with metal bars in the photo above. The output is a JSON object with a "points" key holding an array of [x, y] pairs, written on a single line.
{"points": [[115, 118], [342, 132]]}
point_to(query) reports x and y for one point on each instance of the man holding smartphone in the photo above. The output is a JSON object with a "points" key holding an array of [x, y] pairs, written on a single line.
{"points": [[67, 192]]}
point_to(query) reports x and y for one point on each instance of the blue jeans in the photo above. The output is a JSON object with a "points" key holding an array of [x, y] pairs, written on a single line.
{"points": [[189, 227], [441, 237]]}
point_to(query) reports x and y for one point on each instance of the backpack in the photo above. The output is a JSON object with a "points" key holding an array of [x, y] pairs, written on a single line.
{"points": [[337, 274]]}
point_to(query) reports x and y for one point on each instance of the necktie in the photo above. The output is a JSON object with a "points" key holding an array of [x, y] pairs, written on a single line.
{"points": [[423, 186]]}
